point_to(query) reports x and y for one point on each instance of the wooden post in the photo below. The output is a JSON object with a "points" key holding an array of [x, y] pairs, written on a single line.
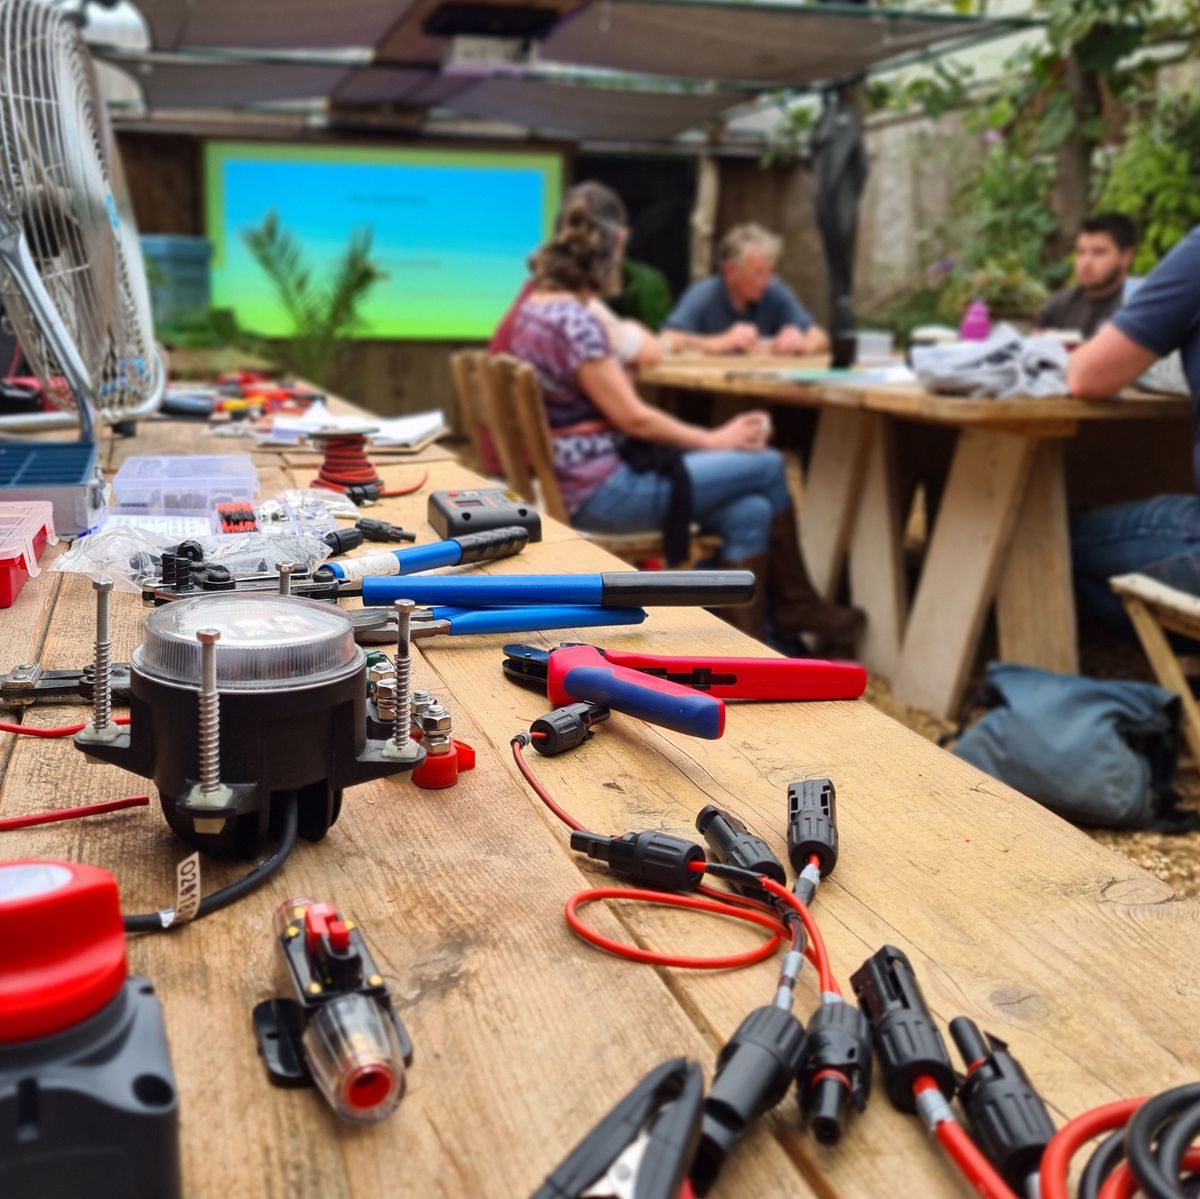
{"points": [[704, 216]]}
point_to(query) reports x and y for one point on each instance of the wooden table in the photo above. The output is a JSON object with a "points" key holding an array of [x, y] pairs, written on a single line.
{"points": [[1002, 532], [524, 1036]]}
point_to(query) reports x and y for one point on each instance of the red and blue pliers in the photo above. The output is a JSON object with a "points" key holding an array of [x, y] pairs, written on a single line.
{"points": [[685, 694]]}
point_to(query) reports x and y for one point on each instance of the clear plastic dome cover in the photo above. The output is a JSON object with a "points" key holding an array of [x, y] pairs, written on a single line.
{"points": [[267, 641]]}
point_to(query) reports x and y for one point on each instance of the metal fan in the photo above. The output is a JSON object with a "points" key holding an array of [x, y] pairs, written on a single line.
{"points": [[72, 280]]}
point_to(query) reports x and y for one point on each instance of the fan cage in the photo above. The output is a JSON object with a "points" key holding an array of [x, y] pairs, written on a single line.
{"points": [[60, 180]]}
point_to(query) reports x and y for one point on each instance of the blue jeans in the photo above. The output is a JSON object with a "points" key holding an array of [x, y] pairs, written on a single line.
{"points": [[735, 494], [1159, 537]]}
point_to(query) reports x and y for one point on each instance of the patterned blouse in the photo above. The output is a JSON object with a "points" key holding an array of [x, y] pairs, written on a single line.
{"points": [[556, 338]]}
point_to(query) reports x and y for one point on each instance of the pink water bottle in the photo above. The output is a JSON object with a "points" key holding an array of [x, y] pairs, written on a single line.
{"points": [[976, 323]]}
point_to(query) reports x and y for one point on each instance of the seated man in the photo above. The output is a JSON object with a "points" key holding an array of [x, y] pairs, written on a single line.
{"points": [[1164, 531], [1103, 255], [744, 307]]}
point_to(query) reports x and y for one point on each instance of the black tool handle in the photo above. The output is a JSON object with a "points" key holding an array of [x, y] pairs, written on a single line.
{"points": [[677, 588], [492, 544]]}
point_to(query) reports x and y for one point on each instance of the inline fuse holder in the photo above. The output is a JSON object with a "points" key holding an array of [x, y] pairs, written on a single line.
{"points": [[754, 1071], [341, 1031], [732, 843], [1005, 1114], [907, 1041]]}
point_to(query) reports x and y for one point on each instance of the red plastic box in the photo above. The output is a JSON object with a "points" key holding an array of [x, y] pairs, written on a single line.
{"points": [[26, 528]]}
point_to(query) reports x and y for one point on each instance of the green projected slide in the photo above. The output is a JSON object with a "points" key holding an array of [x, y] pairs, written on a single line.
{"points": [[451, 228]]}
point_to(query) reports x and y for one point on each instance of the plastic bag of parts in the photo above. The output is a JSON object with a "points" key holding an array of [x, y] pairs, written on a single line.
{"points": [[310, 513], [132, 558]]}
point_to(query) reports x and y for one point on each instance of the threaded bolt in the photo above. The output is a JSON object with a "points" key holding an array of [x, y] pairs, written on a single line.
{"points": [[102, 680], [209, 739], [285, 570], [402, 721]]}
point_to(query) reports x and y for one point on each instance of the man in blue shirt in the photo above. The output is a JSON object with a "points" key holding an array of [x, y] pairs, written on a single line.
{"points": [[744, 307], [1158, 536]]}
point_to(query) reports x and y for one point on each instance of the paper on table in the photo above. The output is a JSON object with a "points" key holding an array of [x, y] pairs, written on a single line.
{"points": [[291, 429]]}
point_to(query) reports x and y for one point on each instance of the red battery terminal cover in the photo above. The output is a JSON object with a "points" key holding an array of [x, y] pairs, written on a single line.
{"points": [[62, 946]]}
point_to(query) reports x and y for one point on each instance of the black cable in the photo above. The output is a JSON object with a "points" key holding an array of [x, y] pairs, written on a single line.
{"points": [[1107, 1157], [1140, 1134], [152, 921], [1176, 1138]]}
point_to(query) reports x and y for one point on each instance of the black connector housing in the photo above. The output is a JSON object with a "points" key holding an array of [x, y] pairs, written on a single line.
{"points": [[907, 1041], [1005, 1114], [838, 1048], [566, 727], [754, 1071], [653, 858], [812, 824], [382, 530], [732, 843], [342, 541]]}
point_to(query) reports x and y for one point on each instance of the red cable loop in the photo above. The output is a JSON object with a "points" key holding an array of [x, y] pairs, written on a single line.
{"points": [[973, 1166], [669, 899], [1056, 1161], [1121, 1183]]}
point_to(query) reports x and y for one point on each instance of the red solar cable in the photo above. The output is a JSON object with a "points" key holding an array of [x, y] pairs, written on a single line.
{"points": [[95, 809]]}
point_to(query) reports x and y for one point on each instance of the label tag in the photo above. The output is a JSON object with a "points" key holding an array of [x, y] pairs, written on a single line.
{"points": [[370, 566], [187, 889]]}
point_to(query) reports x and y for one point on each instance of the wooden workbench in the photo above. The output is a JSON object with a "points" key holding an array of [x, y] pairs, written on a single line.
{"points": [[524, 1036], [1002, 532]]}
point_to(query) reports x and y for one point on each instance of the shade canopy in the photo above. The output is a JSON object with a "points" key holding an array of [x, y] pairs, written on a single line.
{"points": [[626, 69]]}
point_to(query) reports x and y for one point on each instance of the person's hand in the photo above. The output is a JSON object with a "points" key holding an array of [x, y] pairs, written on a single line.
{"points": [[747, 431], [790, 340], [739, 338]]}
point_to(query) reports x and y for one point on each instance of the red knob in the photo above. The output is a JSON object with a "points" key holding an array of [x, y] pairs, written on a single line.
{"points": [[62, 946]]}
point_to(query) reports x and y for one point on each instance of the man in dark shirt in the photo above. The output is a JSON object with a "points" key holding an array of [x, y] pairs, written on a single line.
{"points": [[1159, 536], [1103, 255], [744, 307]]}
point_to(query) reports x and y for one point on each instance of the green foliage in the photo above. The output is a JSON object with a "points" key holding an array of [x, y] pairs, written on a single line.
{"points": [[645, 294], [1003, 280], [208, 330], [790, 140], [323, 314], [1003, 211], [1154, 176]]}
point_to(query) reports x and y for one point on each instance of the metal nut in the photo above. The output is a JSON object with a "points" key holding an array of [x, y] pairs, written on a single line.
{"points": [[378, 671], [434, 720]]}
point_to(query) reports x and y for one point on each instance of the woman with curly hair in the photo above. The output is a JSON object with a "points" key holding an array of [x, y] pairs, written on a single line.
{"points": [[625, 466]]}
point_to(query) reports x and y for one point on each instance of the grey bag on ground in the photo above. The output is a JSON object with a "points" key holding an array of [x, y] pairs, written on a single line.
{"points": [[1100, 753]]}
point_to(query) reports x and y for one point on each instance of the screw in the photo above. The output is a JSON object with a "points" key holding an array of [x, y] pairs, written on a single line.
{"points": [[285, 577], [403, 717], [209, 712], [102, 682]]}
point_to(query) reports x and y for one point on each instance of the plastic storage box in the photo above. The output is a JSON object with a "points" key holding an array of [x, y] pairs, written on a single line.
{"points": [[25, 530], [180, 283], [184, 484], [67, 474]]}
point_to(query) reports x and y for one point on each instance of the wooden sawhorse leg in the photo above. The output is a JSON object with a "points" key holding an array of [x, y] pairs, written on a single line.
{"points": [[966, 555]]}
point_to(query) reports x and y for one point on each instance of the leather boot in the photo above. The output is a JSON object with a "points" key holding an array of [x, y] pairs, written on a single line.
{"points": [[749, 618], [796, 605]]}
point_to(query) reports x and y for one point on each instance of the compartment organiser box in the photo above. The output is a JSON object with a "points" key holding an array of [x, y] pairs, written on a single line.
{"points": [[25, 530], [184, 484], [67, 474]]}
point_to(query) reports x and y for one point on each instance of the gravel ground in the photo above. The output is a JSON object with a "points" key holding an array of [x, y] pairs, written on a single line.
{"points": [[1175, 860]]}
